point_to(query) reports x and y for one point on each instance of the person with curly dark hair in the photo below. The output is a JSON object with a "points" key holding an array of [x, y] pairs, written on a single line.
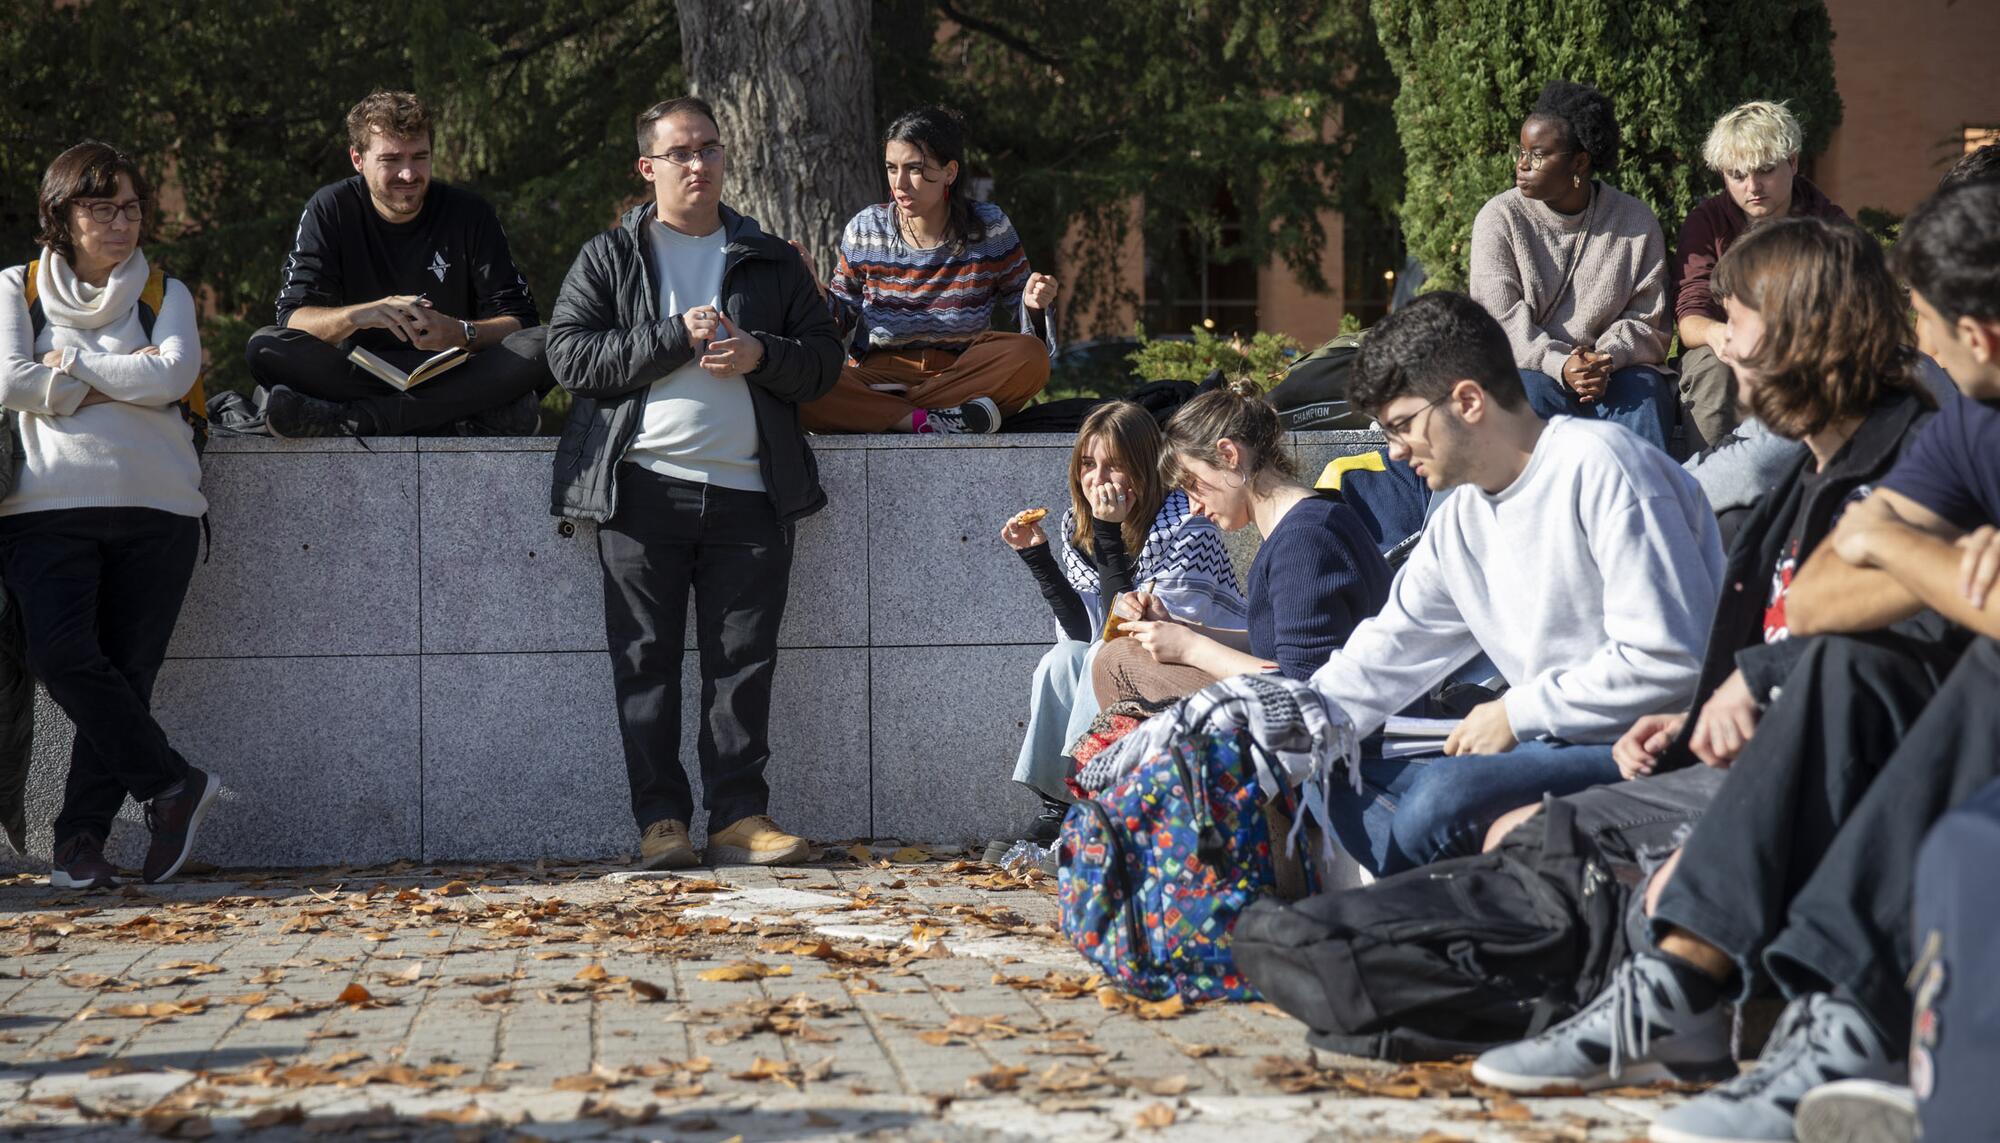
{"points": [[1576, 270]]}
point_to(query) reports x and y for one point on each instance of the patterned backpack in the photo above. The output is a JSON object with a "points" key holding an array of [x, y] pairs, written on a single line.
{"points": [[1156, 869]]}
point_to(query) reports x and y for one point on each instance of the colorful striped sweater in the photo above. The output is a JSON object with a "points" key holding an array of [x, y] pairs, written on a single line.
{"points": [[904, 298]]}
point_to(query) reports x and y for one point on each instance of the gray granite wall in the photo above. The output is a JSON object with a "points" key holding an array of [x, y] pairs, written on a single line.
{"points": [[396, 652]]}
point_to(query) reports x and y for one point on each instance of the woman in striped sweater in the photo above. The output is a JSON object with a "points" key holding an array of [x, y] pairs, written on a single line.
{"points": [[921, 277]]}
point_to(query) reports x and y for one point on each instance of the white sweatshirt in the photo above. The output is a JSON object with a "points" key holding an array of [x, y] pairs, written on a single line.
{"points": [[135, 452], [1590, 581]]}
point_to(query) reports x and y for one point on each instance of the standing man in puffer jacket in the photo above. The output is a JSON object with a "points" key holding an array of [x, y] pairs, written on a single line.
{"points": [[689, 338]]}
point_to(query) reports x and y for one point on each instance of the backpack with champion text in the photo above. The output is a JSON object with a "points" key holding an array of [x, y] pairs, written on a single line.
{"points": [[194, 403], [1451, 958], [1156, 869]]}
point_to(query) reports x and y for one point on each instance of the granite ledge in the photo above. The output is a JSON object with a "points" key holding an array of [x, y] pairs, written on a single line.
{"points": [[223, 445]]}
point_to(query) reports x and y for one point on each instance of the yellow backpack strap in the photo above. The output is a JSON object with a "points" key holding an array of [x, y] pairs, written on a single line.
{"points": [[1340, 466]]}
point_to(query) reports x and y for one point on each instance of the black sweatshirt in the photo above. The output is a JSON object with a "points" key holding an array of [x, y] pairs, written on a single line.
{"points": [[453, 253], [1114, 572]]}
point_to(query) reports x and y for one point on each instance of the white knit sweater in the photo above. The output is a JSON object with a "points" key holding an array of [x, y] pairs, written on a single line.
{"points": [[133, 452]]}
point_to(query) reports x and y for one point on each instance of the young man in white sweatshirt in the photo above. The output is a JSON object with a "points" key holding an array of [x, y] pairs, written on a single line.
{"points": [[1584, 563]]}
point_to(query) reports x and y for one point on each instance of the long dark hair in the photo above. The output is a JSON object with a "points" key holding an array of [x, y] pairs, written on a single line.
{"points": [[940, 134]]}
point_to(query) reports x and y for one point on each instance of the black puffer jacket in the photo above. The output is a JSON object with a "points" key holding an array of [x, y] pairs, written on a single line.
{"points": [[608, 344]]}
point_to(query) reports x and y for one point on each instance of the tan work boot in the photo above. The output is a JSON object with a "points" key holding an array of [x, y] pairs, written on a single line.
{"points": [[665, 845], [756, 840]]}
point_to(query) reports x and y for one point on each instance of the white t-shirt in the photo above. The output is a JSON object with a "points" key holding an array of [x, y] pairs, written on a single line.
{"points": [[697, 426], [1589, 581]]}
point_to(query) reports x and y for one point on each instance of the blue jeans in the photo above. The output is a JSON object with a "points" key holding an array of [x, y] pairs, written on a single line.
{"points": [[1639, 397], [1414, 811]]}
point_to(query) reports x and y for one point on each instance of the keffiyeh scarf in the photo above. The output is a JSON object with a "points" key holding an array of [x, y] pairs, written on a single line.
{"points": [[1183, 558]]}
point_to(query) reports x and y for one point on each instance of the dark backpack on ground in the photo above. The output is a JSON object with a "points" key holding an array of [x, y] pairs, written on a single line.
{"points": [[1451, 958]]}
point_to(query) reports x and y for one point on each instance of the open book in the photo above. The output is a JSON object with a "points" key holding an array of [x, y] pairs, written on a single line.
{"points": [[425, 370]]}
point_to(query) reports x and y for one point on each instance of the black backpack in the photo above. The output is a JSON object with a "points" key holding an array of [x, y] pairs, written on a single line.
{"points": [[1448, 959]]}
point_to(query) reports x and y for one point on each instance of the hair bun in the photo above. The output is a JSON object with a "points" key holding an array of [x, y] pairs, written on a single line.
{"points": [[1246, 388]]}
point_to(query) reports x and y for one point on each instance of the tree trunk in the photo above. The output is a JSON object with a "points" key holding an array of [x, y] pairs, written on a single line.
{"points": [[792, 82]]}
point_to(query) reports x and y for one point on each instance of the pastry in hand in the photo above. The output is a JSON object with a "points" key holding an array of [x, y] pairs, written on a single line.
{"points": [[1029, 516]]}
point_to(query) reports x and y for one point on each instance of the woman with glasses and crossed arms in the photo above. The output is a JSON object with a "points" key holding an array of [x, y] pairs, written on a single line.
{"points": [[1576, 271], [918, 281], [99, 529]]}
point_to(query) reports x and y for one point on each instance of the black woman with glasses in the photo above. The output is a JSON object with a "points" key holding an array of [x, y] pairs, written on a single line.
{"points": [[100, 506], [390, 271], [1576, 271]]}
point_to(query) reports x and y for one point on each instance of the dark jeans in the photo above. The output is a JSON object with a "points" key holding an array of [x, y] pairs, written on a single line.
{"points": [[1640, 397], [1840, 764], [1414, 811], [728, 546], [99, 591], [490, 379]]}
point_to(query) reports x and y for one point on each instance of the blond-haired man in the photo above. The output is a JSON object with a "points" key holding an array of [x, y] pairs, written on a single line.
{"points": [[1755, 148]]}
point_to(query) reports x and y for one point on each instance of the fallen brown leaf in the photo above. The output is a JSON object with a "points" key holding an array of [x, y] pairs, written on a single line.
{"points": [[1001, 1078], [1156, 1117], [743, 970]]}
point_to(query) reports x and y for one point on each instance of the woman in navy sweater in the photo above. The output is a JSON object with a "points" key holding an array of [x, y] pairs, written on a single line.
{"points": [[1316, 576]]}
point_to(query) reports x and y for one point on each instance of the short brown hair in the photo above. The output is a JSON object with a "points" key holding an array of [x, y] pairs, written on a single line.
{"points": [[679, 105], [88, 170], [1135, 436], [396, 113], [1836, 330]]}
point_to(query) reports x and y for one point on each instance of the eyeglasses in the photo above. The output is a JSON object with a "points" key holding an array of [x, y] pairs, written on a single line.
{"points": [[1533, 159], [1397, 432], [103, 212], [682, 157]]}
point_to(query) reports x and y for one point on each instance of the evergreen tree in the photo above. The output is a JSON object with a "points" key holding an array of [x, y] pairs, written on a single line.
{"points": [[1470, 69]]}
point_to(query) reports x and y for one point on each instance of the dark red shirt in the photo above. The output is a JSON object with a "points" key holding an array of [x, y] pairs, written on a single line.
{"points": [[1710, 227]]}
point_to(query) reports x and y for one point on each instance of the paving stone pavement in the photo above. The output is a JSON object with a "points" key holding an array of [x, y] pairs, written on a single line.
{"points": [[911, 996]]}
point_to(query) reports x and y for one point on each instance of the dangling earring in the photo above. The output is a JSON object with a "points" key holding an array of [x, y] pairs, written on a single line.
{"points": [[1576, 181]]}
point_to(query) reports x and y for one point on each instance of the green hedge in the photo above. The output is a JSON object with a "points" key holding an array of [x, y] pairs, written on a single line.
{"points": [[1471, 69]]}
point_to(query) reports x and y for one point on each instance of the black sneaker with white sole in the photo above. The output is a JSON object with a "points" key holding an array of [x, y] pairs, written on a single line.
{"points": [[173, 819], [80, 864], [977, 416]]}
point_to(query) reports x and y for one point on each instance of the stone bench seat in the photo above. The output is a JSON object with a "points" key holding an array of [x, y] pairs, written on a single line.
{"points": [[395, 651]]}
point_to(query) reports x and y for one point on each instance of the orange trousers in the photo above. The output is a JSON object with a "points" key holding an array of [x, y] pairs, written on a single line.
{"points": [[888, 385]]}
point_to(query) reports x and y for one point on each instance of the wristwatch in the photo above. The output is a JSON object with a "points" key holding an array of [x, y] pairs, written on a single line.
{"points": [[471, 332]]}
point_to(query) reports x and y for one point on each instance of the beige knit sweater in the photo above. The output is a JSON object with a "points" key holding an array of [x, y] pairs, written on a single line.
{"points": [[1617, 300]]}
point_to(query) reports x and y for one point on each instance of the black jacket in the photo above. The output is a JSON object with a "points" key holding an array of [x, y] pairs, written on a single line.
{"points": [[608, 343], [1736, 638]]}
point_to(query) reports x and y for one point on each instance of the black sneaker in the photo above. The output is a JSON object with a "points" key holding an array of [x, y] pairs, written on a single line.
{"points": [[1044, 830], [979, 415], [517, 418], [291, 414], [173, 820], [80, 864]]}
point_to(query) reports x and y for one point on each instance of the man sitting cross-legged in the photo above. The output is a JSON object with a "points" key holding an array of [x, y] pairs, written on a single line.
{"points": [[1582, 561], [1800, 874], [404, 267]]}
